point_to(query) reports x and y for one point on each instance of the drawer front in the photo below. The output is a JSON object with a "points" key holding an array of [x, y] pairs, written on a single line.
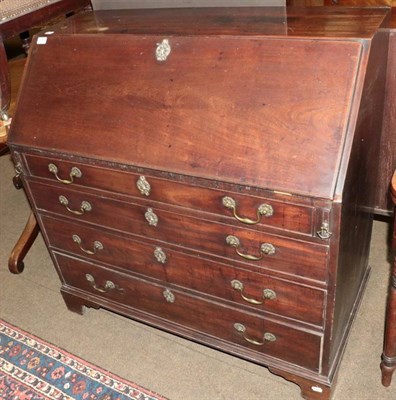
{"points": [[238, 244], [261, 292], [291, 345], [245, 210]]}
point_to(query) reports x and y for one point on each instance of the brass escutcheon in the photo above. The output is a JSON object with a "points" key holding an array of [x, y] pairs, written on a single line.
{"points": [[162, 50], [263, 210], [74, 173], [160, 255], [151, 217], [143, 185], [169, 296]]}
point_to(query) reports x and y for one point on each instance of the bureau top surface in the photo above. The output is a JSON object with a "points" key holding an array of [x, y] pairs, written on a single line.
{"points": [[253, 21], [265, 111]]}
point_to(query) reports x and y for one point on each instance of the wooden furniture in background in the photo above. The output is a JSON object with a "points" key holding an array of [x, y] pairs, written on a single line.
{"points": [[233, 205], [129, 4], [4, 98], [345, 3], [360, 3], [383, 202], [388, 139], [388, 364], [18, 16]]}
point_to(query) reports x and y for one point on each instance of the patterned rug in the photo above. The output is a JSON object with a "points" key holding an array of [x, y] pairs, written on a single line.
{"points": [[32, 369]]}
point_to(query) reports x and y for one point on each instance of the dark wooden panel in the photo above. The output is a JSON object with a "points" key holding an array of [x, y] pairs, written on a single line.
{"points": [[359, 3], [300, 302], [184, 115], [388, 141], [5, 92], [359, 191], [308, 259], [292, 345]]}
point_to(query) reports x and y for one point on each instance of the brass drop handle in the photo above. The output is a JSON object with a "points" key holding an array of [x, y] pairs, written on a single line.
{"points": [[74, 173], [267, 337], [268, 294], [265, 249], [109, 285], [263, 210], [96, 245], [85, 206]]}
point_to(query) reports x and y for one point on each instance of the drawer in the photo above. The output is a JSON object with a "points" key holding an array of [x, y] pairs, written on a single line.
{"points": [[259, 249], [243, 209], [282, 341], [261, 292]]}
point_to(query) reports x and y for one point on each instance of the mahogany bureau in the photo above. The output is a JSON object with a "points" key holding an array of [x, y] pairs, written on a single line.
{"points": [[210, 173]]}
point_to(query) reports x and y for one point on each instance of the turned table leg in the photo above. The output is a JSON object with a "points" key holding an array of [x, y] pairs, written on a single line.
{"points": [[388, 364]]}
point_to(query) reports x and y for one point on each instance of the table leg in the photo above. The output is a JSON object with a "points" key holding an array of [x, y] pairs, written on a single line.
{"points": [[27, 238], [388, 364]]}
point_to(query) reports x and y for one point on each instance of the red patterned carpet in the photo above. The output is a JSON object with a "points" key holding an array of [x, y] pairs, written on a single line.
{"points": [[32, 369]]}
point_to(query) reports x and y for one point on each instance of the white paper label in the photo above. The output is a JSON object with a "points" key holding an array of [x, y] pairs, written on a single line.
{"points": [[317, 389], [42, 40]]}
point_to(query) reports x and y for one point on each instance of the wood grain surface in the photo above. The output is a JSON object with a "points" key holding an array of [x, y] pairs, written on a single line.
{"points": [[204, 112]]}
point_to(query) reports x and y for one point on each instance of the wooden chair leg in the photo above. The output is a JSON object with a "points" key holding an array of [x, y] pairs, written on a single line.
{"points": [[29, 234], [388, 364]]}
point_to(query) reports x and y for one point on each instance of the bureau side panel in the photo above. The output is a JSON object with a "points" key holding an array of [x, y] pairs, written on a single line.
{"points": [[383, 202], [358, 196]]}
